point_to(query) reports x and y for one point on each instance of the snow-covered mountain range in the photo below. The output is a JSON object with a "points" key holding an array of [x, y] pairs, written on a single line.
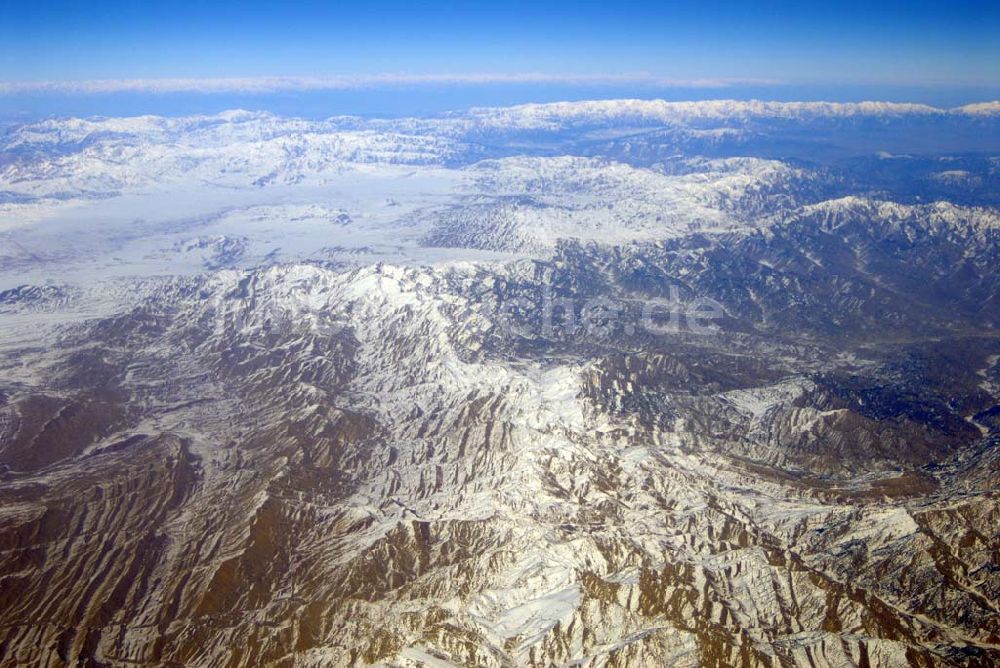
{"points": [[400, 392]]}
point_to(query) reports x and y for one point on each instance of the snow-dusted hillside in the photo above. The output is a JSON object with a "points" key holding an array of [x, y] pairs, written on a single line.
{"points": [[428, 391]]}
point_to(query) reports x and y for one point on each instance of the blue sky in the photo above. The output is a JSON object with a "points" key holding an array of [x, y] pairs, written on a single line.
{"points": [[655, 45]]}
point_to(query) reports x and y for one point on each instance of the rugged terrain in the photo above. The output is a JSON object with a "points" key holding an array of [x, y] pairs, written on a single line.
{"points": [[615, 383]]}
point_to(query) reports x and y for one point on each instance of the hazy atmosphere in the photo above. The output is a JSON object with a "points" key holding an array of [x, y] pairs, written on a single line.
{"points": [[427, 57]]}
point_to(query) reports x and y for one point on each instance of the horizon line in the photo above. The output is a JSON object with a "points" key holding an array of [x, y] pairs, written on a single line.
{"points": [[277, 84]]}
